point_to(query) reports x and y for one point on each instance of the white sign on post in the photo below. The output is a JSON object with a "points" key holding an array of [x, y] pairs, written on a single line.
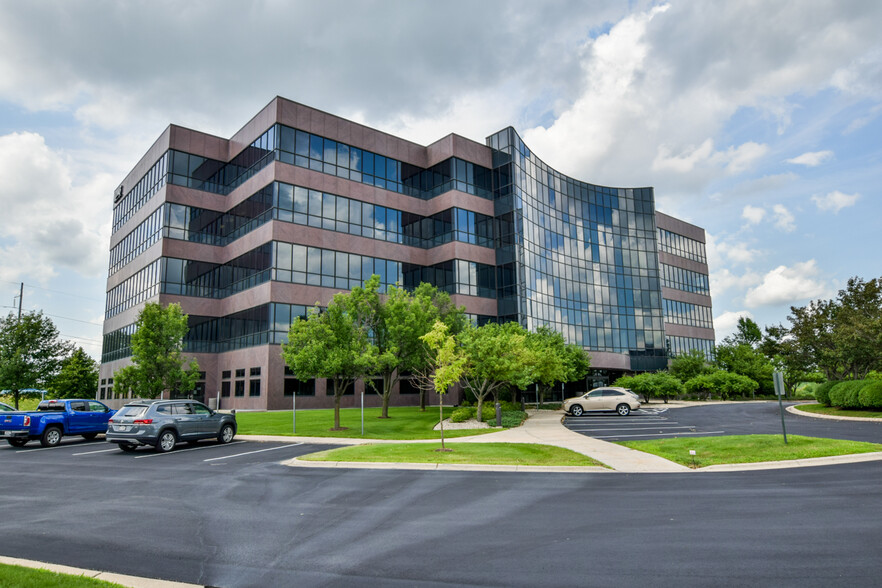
{"points": [[778, 378]]}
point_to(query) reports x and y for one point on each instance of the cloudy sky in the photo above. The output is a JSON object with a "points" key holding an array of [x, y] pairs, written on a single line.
{"points": [[760, 121]]}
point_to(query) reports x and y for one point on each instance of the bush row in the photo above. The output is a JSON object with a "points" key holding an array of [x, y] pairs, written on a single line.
{"points": [[512, 415], [851, 394]]}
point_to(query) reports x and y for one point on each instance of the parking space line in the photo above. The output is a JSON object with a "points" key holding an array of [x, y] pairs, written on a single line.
{"points": [[250, 452], [185, 450], [657, 434], [640, 428], [62, 446], [98, 451]]}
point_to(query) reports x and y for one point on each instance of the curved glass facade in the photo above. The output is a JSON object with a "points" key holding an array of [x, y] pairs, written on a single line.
{"points": [[580, 258]]}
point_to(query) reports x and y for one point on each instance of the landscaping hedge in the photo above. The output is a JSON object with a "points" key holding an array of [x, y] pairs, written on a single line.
{"points": [[870, 395], [822, 392]]}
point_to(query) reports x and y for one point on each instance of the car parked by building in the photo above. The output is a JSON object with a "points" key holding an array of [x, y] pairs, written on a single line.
{"points": [[54, 419], [165, 423], [619, 400]]}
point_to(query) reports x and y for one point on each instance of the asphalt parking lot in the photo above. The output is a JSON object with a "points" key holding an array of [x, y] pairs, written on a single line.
{"points": [[746, 418], [75, 451]]}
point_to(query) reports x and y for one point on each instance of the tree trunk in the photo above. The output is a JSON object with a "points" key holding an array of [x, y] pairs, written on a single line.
{"points": [[336, 407], [387, 393], [480, 416], [441, 418], [422, 400]]}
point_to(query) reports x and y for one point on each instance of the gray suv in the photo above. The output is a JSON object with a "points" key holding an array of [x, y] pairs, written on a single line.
{"points": [[165, 423]]}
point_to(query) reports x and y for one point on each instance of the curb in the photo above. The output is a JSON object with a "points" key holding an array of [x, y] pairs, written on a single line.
{"points": [[450, 467], [830, 417], [125, 580], [794, 463]]}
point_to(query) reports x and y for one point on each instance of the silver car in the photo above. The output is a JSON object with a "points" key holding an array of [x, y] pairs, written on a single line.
{"points": [[165, 423], [620, 400]]}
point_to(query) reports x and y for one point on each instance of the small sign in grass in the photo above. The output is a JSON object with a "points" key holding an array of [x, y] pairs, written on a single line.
{"points": [[23, 577], [748, 448], [462, 453]]}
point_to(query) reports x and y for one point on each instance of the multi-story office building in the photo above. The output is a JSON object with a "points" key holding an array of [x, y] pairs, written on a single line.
{"points": [[248, 232]]}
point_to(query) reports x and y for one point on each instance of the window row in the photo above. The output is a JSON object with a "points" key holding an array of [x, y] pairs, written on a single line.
{"points": [[140, 287], [142, 191], [138, 241], [690, 315], [685, 280], [677, 244], [682, 345]]}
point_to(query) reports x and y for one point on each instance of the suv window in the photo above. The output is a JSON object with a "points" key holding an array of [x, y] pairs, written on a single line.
{"points": [[200, 409], [164, 409], [612, 393], [181, 409], [132, 411]]}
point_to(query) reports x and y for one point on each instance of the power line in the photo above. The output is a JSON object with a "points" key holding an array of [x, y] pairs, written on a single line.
{"points": [[56, 291], [96, 341], [73, 319]]}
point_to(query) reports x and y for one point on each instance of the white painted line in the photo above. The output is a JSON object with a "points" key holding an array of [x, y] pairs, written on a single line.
{"points": [[657, 434], [99, 451], [640, 428], [250, 452], [62, 446], [191, 449]]}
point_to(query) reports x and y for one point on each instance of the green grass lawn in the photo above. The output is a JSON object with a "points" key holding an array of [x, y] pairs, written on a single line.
{"points": [[21, 577], [24, 402], [835, 411], [404, 422], [748, 448], [463, 453]]}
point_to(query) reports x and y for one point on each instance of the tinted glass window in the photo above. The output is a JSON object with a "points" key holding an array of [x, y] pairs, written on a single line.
{"points": [[96, 407], [164, 409], [132, 411], [200, 409], [78, 406]]}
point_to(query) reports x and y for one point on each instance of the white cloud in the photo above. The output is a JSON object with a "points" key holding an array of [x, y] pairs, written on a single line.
{"points": [[788, 285], [812, 158], [784, 219], [835, 201], [722, 280], [727, 321], [49, 221], [753, 214]]}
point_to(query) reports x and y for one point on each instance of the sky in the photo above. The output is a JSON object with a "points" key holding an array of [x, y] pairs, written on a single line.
{"points": [[760, 121]]}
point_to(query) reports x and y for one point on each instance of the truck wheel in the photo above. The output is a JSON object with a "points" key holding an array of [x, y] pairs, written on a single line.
{"points": [[51, 437], [17, 442], [166, 442], [89, 436]]}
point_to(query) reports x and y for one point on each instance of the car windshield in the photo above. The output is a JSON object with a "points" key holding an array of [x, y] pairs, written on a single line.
{"points": [[132, 411]]}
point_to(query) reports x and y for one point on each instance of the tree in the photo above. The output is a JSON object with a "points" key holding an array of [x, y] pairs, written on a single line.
{"points": [[78, 377], [741, 358], [449, 364], [498, 356], [157, 360], [396, 324], [554, 360], [793, 361], [31, 352], [333, 345], [659, 384], [686, 366], [723, 384]]}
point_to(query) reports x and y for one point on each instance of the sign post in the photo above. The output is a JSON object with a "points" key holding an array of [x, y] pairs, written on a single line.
{"points": [[294, 411], [778, 378]]}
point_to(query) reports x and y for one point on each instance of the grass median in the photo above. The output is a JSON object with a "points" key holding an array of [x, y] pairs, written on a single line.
{"points": [[836, 411], [404, 423], [460, 453], [748, 448], [22, 577]]}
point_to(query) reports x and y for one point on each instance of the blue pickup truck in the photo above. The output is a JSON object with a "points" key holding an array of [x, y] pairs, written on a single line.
{"points": [[54, 419]]}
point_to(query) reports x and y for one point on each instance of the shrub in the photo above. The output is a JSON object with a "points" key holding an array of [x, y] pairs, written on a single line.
{"points": [[513, 418], [822, 393], [461, 415], [870, 395], [845, 394]]}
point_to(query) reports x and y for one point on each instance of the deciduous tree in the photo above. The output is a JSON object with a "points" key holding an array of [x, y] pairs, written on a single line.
{"points": [[77, 378], [31, 352], [157, 355]]}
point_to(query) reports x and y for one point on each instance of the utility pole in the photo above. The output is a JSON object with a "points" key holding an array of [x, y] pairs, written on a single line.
{"points": [[20, 296]]}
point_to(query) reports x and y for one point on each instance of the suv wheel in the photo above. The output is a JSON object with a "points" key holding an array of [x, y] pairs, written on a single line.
{"points": [[623, 410], [226, 434], [166, 442], [576, 410]]}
